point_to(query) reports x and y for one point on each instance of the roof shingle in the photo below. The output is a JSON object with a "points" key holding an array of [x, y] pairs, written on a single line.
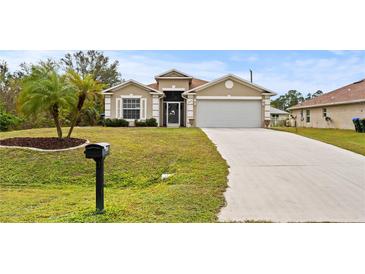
{"points": [[346, 94]]}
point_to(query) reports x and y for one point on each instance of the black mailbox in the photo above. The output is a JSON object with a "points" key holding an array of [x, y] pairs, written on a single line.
{"points": [[98, 152]]}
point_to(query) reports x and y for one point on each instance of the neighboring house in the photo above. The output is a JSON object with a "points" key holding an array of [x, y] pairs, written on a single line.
{"points": [[278, 116], [334, 109], [178, 99]]}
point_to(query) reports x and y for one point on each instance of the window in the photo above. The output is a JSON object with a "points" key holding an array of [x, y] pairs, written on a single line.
{"points": [[308, 115], [301, 115], [131, 108], [324, 112]]}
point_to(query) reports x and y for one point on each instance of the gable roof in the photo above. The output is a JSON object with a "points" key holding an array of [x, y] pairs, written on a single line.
{"points": [[232, 77], [277, 111], [348, 94], [171, 72], [195, 82], [130, 82]]}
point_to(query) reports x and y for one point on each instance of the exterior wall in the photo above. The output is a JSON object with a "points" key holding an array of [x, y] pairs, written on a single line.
{"points": [[190, 111], [130, 90], [173, 74], [238, 89], [281, 117], [156, 108], [221, 90], [266, 107], [341, 116], [280, 120], [107, 105], [169, 83]]}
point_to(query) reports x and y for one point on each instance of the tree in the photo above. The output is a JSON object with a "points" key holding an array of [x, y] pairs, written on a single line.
{"points": [[309, 96], [45, 90], [289, 99], [9, 88], [7, 120], [94, 63], [87, 89], [317, 93]]}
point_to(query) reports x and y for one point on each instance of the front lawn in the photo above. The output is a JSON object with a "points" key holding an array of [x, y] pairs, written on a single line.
{"points": [[60, 187], [347, 139]]}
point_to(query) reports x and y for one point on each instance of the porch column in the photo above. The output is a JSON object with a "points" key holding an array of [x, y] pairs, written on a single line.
{"points": [[156, 108], [267, 116], [107, 103], [189, 110]]}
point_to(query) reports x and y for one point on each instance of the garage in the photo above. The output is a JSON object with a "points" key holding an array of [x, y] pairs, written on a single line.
{"points": [[228, 113]]}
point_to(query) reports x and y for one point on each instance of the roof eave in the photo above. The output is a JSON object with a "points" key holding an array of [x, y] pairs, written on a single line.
{"points": [[147, 88], [328, 104], [264, 91]]}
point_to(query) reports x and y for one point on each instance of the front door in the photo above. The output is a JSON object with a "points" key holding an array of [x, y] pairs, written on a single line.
{"points": [[173, 114]]}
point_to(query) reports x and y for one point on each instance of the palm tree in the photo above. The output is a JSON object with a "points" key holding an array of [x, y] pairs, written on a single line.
{"points": [[45, 90], [87, 89]]}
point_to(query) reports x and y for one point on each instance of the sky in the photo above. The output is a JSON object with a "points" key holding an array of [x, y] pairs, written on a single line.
{"points": [[280, 71]]}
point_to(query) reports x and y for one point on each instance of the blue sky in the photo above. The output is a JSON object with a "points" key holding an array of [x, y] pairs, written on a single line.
{"points": [[305, 71]]}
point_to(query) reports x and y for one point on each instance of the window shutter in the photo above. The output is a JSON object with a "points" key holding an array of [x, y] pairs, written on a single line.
{"points": [[143, 108], [119, 108]]}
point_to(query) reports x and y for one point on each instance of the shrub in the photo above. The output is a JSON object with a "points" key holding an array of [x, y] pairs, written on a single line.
{"points": [[8, 121], [148, 123], [151, 122], [116, 123], [140, 123]]}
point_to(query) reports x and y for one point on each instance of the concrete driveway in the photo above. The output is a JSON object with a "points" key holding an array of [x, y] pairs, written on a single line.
{"points": [[282, 177]]}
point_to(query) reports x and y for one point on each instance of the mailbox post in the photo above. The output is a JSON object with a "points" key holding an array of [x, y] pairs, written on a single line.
{"points": [[98, 152]]}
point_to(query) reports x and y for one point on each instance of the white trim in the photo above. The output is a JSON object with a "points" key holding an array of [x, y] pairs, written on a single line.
{"points": [[107, 106], [131, 96], [167, 112], [233, 77], [328, 104], [228, 97], [174, 78], [131, 82], [155, 107], [173, 70], [143, 109], [118, 111], [173, 89]]}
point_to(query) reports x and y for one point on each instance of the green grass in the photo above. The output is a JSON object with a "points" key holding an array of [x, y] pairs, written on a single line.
{"points": [[347, 139], [60, 186]]}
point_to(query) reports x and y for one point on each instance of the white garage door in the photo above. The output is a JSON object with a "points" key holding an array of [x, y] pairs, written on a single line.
{"points": [[228, 113]]}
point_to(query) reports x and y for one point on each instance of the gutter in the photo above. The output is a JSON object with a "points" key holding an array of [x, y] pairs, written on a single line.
{"points": [[329, 104]]}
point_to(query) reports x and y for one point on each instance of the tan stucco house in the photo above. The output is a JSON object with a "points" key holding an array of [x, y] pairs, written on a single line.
{"points": [[334, 109], [178, 99]]}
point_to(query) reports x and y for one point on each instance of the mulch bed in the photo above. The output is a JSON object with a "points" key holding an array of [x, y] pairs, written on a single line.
{"points": [[43, 143]]}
